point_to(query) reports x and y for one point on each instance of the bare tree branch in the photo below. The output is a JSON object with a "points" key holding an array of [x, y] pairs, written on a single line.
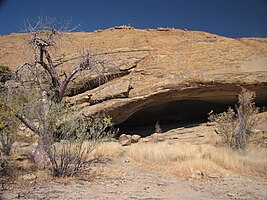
{"points": [[49, 67], [43, 77], [25, 121], [65, 83]]}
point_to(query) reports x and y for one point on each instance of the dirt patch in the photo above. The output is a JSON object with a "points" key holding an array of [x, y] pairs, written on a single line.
{"points": [[121, 179]]}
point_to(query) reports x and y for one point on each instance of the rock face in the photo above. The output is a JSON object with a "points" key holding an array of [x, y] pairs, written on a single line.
{"points": [[147, 68]]}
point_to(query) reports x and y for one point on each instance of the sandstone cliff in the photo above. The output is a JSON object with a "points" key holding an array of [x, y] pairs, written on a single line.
{"points": [[153, 67]]}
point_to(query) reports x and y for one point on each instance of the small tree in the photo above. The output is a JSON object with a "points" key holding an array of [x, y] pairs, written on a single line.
{"points": [[235, 126], [42, 85]]}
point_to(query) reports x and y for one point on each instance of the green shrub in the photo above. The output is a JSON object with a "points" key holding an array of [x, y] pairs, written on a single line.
{"points": [[5, 74], [8, 124]]}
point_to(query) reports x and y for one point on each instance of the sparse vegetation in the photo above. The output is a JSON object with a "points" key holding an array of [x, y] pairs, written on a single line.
{"points": [[35, 96], [8, 125], [40, 87], [235, 126], [5, 74], [79, 138], [183, 159], [69, 157], [3, 170], [8, 121]]}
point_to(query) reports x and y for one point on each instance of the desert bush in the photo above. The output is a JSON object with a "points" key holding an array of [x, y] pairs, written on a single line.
{"points": [[3, 170], [79, 139], [7, 138], [8, 125], [235, 126], [66, 138], [5, 74], [3, 163]]}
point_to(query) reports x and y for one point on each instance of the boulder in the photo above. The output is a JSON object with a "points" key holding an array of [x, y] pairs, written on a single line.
{"points": [[135, 138], [125, 140]]}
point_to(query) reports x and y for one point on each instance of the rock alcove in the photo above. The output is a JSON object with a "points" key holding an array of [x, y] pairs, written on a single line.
{"points": [[180, 113], [176, 76], [176, 114]]}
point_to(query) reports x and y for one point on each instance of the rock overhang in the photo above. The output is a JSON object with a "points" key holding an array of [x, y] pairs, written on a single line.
{"points": [[162, 66]]}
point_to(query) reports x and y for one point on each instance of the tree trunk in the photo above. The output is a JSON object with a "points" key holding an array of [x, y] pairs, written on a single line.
{"points": [[240, 135], [41, 154]]}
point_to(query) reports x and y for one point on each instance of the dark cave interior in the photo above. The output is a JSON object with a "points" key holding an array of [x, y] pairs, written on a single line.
{"points": [[171, 115]]}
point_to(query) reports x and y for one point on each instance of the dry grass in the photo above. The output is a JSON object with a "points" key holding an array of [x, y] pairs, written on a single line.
{"points": [[105, 171], [106, 150], [183, 159], [96, 150]]}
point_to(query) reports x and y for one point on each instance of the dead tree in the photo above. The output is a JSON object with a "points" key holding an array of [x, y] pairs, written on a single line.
{"points": [[42, 76]]}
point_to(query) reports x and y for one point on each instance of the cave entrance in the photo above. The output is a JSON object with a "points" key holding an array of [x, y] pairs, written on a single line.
{"points": [[175, 114]]}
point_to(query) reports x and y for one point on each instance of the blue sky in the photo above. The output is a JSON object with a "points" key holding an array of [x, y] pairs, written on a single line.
{"points": [[232, 18]]}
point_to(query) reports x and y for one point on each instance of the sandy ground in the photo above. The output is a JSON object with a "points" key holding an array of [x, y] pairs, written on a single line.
{"points": [[121, 179]]}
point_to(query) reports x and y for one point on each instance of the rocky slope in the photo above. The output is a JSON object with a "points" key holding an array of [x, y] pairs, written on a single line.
{"points": [[147, 68]]}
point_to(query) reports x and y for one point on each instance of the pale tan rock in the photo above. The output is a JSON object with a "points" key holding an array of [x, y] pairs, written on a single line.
{"points": [[157, 137], [211, 123], [256, 131], [200, 135], [125, 140], [29, 177], [198, 174], [215, 175], [161, 65], [135, 138], [22, 150], [230, 194]]}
